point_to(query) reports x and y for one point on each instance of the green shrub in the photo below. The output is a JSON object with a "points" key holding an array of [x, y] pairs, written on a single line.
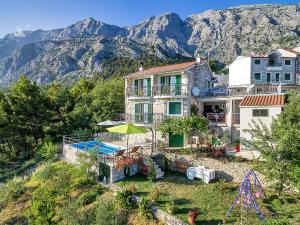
{"points": [[87, 197], [154, 195], [48, 150], [11, 191], [277, 204], [73, 214], [124, 200], [107, 214], [42, 206], [276, 222], [170, 207], [145, 208]]}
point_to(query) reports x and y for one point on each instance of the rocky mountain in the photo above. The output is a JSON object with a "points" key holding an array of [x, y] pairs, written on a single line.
{"points": [[80, 49]]}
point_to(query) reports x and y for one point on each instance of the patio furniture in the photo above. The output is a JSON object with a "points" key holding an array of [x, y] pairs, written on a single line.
{"points": [[135, 151], [206, 175], [181, 166]]}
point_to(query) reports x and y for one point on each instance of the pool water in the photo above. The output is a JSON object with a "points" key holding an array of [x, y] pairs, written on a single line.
{"points": [[100, 146]]}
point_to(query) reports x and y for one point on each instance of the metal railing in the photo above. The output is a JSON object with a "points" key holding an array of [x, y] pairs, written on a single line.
{"points": [[216, 117], [270, 64], [170, 90], [139, 92], [145, 118]]}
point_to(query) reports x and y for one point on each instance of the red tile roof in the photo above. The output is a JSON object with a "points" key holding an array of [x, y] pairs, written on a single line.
{"points": [[292, 51], [263, 100], [168, 68]]}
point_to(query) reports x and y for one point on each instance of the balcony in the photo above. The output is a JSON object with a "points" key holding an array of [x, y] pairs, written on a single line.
{"points": [[170, 90], [274, 66], [139, 92], [145, 118], [216, 117]]}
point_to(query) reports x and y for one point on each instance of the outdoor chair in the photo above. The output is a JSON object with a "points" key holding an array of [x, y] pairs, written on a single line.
{"points": [[135, 151]]}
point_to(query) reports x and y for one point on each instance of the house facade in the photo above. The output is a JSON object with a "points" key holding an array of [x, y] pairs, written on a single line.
{"points": [[164, 91]]}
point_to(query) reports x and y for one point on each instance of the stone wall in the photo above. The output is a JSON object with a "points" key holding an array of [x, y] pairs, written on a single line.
{"points": [[230, 171], [167, 218], [118, 174], [71, 155]]}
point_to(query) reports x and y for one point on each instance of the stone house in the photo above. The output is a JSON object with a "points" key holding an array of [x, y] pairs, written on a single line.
{"points": [[156, 93]]}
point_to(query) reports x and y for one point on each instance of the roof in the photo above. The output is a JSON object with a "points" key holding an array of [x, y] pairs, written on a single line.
{"points": [[168, 68], [292, 51], [263, 100]]}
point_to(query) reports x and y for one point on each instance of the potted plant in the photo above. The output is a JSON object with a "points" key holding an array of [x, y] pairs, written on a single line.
{"points": [[192, 216], [237, 145], [170, 206]]}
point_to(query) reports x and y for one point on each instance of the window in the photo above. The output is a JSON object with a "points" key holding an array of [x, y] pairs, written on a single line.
{"points": [[277, 75], [257, 76], [287, 62], [171, 85], [260, 112], [174, 108], [268, 77], [287, 76], [257, 61]]}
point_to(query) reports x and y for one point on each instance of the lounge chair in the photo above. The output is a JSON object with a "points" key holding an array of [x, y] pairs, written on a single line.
{"points": [[135, 151]]}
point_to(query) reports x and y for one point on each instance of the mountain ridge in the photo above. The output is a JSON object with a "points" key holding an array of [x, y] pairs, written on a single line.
{"points": [[225, 33]]}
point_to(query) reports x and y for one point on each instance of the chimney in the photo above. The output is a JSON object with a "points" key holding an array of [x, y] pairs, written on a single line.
{"points": [[141, 68], [198, 59]]}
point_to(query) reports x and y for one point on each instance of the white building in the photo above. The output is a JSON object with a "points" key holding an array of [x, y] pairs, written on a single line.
{"points": [[259, 108]]}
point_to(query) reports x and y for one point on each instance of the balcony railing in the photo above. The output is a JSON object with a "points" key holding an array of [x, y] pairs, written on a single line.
{"points": [[139, 92], [170, 90], [145, 118], [274, 64], [216, 117]]}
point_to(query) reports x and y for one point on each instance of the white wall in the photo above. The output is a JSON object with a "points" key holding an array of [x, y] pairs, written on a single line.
{"points": [[247, 118], [240, 71]]}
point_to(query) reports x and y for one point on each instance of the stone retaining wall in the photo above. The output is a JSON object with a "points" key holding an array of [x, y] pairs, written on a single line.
{"points": [[118, 174], [71, 155], [230, 171]]}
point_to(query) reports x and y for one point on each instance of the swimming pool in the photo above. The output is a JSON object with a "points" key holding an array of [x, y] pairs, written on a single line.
{"points": [[100, 146]]}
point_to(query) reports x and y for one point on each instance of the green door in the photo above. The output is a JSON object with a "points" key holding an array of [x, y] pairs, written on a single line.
{"points": [[176, 140], [138, 112]]}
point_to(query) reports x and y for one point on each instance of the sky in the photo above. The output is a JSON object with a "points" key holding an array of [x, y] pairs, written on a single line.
{"points": [[18, 15]]}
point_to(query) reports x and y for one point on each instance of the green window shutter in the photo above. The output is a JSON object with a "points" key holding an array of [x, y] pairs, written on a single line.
{"points": [[178, 107], [162, 85], [149, 87], [137, 112], [178, 85], [174, 108], [150, 113], [136, 87]]}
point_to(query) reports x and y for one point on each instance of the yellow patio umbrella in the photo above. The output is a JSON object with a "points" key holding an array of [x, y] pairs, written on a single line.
{"points": [[127, 129]]}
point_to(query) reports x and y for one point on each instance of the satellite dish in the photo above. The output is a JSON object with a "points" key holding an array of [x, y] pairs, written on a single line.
{"points": [[195, 91]]}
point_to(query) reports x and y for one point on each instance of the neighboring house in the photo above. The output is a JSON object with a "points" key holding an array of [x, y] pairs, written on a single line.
{"points": [[259, 108], [280, 66]]}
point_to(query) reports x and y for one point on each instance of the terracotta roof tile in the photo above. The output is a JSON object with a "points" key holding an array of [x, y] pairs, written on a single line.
{"points": [[292, 51], [263, 100], [175, 67]]}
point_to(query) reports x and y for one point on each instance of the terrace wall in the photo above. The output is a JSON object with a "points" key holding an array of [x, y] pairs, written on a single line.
{"points": [[71, 155]]}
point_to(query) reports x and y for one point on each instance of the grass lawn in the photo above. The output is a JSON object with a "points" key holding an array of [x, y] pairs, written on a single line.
{"points": [[213, 200]]}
